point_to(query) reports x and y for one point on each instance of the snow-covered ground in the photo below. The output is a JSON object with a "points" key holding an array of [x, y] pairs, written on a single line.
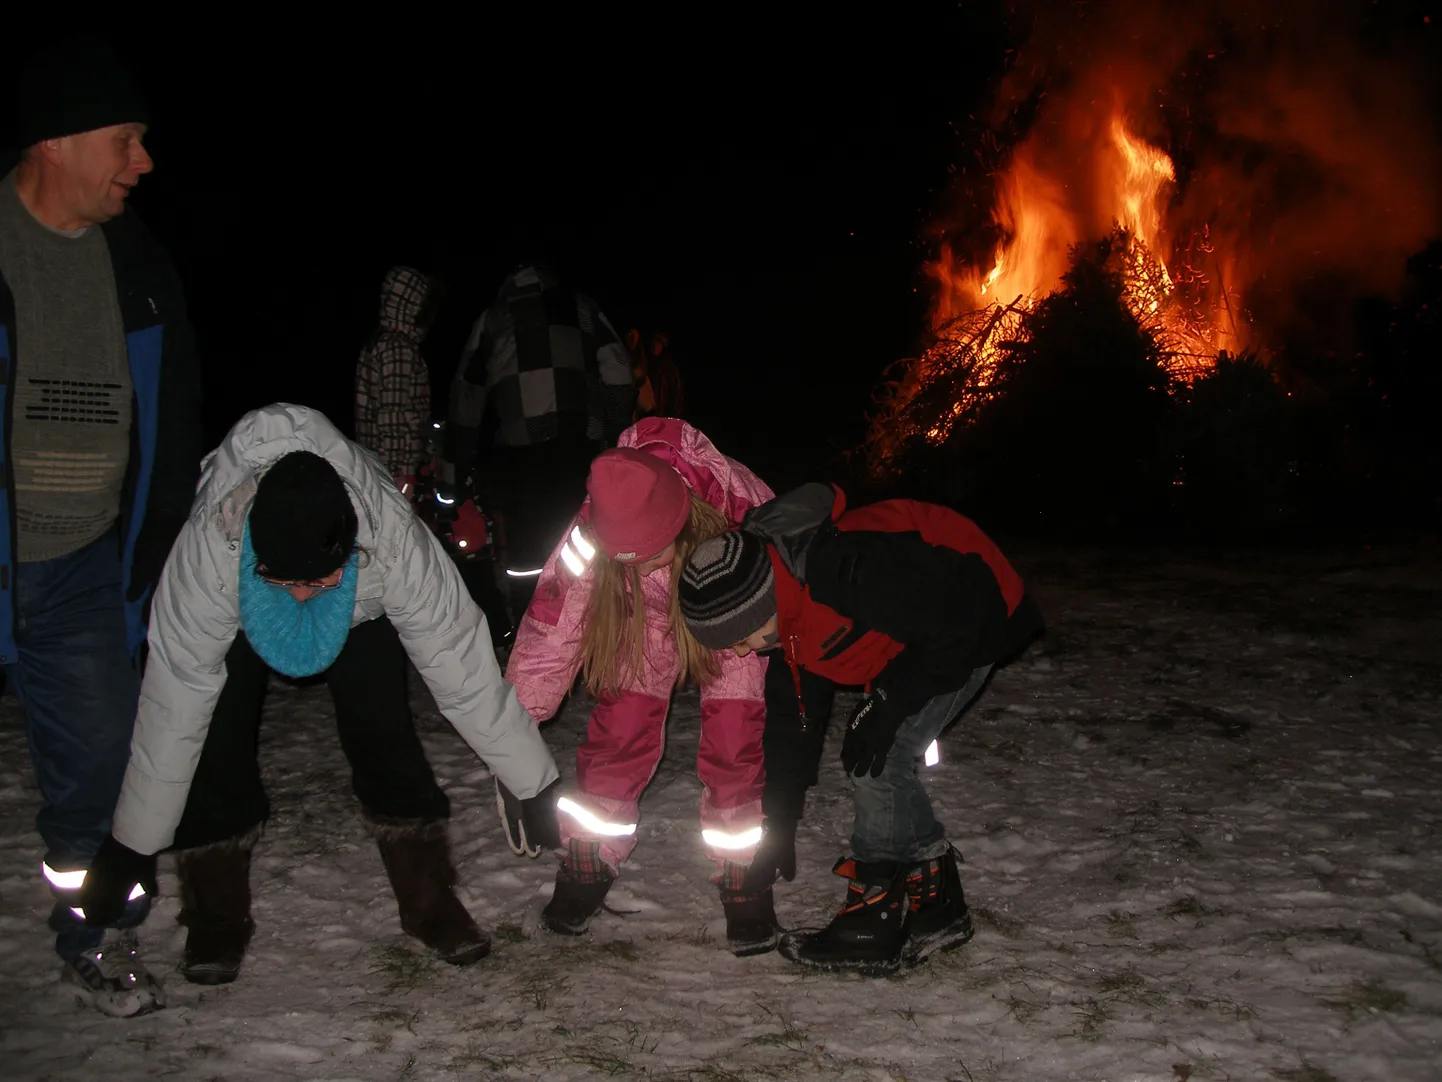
{"points": [[1200, 822]]}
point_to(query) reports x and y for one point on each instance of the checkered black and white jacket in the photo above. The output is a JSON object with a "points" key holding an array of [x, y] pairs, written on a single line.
{"points": [[546, 364], [392, 383]]}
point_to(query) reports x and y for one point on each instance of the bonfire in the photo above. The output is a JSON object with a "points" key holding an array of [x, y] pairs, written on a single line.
{"points": [[1174, 286]]}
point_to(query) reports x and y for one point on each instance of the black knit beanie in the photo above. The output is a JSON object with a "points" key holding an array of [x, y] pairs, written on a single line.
{"points": [[727, 589], [302, 524], [74, 86]]}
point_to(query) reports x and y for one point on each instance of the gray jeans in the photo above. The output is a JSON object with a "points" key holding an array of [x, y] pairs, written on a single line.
{"points": [[894, 821]]}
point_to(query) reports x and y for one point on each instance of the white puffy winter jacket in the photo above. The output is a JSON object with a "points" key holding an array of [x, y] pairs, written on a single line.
{"points": [[405, 576]]}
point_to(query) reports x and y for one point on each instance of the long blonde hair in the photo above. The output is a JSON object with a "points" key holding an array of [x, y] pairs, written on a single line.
{"points": [[613, 634]]}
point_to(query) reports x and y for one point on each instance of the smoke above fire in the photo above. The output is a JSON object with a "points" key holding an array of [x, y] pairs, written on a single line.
{"points": [[1275, 160]]}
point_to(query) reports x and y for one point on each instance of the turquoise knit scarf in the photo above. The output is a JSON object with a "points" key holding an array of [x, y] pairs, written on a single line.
{"points": [[297, 638]]}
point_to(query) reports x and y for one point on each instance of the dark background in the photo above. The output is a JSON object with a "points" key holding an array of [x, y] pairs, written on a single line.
{"points": [[753, 182]]}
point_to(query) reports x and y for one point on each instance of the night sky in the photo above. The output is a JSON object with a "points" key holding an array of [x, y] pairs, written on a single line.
{"points": [[757, 184]]}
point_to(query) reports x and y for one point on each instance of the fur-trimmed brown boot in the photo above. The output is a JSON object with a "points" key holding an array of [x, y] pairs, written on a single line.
{"points": [[417, 857], [215, 906]]}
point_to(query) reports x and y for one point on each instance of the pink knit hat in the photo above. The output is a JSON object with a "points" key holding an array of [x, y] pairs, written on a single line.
{"points": [[638, 503]]}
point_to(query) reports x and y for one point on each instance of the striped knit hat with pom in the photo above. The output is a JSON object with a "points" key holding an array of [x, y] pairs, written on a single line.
{"points": [[727, 590]]}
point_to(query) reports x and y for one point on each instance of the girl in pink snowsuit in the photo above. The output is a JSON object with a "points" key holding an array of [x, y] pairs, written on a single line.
{"points": [[664, 489]]}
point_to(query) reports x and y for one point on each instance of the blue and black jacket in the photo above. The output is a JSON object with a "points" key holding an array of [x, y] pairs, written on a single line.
{"points": [[165, 430]]}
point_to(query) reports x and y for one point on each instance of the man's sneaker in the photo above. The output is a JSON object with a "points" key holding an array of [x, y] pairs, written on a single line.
{"points": [[938, 919], [751, 926], [112, 979], [867, 934], [576, 900]]}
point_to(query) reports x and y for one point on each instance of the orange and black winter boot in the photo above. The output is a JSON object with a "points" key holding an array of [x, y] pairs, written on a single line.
{"points": [[938, 919], [868, 932]]}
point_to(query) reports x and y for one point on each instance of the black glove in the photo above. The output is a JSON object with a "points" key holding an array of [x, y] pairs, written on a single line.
{"points": [[152, 547], [530, 825], [870, 732], [775, 856], [448, 503], [112, 876]]}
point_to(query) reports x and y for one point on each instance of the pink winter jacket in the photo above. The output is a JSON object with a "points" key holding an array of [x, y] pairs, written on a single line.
{"points": [[545, 658]]}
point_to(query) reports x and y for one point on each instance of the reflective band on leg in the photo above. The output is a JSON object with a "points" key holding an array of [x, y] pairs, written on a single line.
{"points": [[136, 891], [933, 754], [63, 880], [591, 823], [720, 839], [524, 574]]}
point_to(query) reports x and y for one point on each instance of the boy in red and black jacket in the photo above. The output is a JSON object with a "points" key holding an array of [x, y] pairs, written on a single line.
{"points": [[914, 603]]}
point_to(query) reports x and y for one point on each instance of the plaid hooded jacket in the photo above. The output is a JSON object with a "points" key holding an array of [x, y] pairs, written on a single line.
{"points": [[542, 363], [392, 384]]}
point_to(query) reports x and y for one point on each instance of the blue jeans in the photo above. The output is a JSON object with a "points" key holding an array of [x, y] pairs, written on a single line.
{"points": [[79, 688], [894, 821]]}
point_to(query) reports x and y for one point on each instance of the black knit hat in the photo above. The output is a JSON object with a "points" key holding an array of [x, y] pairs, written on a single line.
{"points": [[302, 524], [74, 86], [727, 589]]}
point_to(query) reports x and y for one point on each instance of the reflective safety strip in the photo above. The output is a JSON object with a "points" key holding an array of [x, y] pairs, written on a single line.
{"points": [[720, 839], [933, 754], [445, 500], [577, 552], [136, 891], [592, 823], [524, 574], [63, 880]]}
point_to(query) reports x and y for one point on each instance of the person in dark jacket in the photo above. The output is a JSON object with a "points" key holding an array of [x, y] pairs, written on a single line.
{"points": [[909, 600], [545, 383], [100, 423]]}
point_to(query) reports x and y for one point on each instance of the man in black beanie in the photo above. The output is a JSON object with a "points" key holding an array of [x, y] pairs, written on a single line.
{"points": [[102, 444]]}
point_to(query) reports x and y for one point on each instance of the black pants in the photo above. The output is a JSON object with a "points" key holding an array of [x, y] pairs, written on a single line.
{"points": [[389, 771], [538, 490]]}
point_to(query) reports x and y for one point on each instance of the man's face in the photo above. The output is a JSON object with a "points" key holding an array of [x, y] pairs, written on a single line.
{"points": [[763, 638], [100, 168]]}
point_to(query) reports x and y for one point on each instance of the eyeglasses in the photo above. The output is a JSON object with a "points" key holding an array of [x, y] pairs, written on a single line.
{"points": [[309, 584]]}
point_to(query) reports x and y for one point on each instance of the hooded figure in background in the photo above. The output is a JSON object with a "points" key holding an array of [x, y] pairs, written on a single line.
{"points": [[301, 556], [392, 383]]}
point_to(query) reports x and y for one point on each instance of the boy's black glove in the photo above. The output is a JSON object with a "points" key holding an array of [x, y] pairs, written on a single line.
{"points": [[448, 503], [775, 856], [111, 878], [870, 732], [531, 825]]}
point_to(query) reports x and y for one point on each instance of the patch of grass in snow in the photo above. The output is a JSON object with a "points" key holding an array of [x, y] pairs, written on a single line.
{"points": [[539, 985], [508, 933], [482, 1056], [696, 937], [1223, 1004], [604, 1062], [1369, 995], [790, 1036], [403, 970], [1188, 906], [1009, 927], [1305, 1073], [1092, 1019], [1023, 1010], [1119, 924]]}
